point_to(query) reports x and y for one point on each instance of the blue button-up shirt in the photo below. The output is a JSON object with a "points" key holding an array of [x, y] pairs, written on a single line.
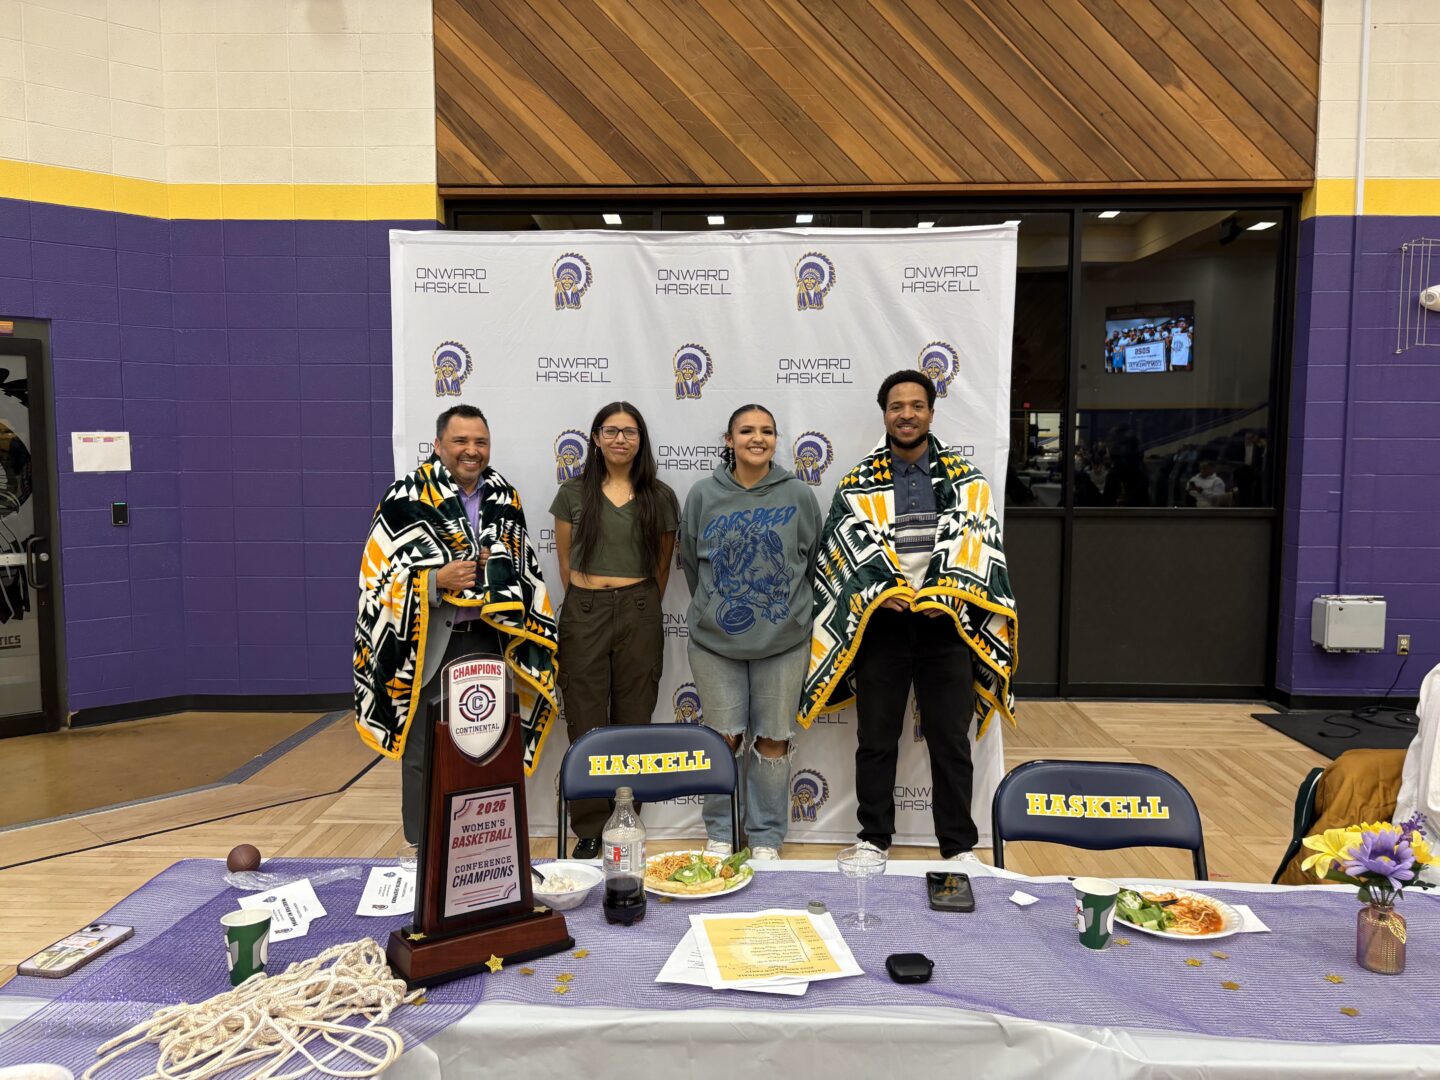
{"points": [[471, 503]]}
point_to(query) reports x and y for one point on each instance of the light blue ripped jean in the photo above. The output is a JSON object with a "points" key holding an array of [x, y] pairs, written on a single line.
{"points": [[752, 699]]}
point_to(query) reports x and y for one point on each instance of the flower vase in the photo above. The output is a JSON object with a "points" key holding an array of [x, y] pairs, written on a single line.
{"points": [[1380, 939]]}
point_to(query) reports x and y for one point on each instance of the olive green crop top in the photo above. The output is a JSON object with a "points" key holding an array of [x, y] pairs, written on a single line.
{"points": [[619, 552]]}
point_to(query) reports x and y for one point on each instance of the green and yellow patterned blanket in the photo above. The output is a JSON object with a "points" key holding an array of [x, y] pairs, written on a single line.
{"points": [[859, 570], [419, 526]]}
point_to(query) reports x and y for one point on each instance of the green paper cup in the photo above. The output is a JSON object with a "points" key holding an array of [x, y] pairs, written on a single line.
{"points": [[247, 942], [1095, 910]]}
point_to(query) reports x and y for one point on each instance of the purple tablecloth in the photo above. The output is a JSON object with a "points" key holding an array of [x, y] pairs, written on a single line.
{"points": [[1024, 962]]}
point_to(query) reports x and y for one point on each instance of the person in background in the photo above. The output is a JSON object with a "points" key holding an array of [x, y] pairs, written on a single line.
{"points": [[1207, 487], [748, 539], [614, 536]]}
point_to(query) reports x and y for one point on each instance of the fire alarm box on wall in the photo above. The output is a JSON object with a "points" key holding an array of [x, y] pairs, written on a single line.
{"points": [[1348, 623]]}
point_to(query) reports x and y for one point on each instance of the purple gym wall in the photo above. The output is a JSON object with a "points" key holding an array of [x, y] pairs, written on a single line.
{"points": [[1363, 468]]}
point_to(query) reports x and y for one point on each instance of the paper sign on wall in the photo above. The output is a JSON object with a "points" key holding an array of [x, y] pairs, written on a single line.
{"points": [[100, 451]]}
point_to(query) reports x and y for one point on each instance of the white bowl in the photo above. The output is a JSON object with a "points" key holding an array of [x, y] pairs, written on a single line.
{"points": [[576, 871]]}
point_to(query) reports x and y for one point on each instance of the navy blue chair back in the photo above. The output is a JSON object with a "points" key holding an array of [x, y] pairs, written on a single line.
{"points": [[656, 761], [1099, 805]]}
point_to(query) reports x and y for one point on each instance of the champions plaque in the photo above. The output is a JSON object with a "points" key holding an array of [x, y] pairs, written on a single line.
{"points": [[473, 902]]}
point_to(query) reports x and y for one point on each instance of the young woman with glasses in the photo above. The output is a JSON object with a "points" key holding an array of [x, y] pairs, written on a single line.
{"points": [[614, 535], [748, 543]]}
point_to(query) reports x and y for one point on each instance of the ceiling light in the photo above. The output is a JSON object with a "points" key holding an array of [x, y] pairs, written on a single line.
{"points": [[1261, 226], [804, 219], [1013, 221], [612, 219], [716, 219], [1108, 214], [926, 225]]}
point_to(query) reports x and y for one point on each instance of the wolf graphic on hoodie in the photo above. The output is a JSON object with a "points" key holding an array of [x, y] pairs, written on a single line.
{"points": [[748, 554]]}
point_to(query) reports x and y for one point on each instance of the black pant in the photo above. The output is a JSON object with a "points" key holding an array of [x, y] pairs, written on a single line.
{"points": [[901, 648], [470, 637], [612, 645]]}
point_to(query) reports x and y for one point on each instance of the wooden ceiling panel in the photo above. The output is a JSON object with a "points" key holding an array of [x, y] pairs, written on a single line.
{"points": [[857, 94]]}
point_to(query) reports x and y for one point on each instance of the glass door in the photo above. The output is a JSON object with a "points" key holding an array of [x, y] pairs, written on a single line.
{"points": [[29, 701]]}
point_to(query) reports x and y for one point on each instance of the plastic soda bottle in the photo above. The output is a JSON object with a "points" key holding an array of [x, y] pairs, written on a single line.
{"points": [[622, 844]]}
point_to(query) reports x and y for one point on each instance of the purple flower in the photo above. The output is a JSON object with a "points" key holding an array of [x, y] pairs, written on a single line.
{"points": [[1413, 824], [1384, 853]]}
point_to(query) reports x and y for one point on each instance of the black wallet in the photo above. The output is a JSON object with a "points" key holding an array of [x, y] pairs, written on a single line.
{"points": [[909, 967]]}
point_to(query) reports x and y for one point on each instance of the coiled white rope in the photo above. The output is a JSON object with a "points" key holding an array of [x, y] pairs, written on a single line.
{"points": [[267, 1019]]}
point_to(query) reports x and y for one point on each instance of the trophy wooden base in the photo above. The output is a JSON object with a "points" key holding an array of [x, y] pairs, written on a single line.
{"points": [[433, 960]]}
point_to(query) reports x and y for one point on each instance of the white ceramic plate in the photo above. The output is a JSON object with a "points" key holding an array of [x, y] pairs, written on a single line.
{"points": [[1231, 919], [658, 891]]}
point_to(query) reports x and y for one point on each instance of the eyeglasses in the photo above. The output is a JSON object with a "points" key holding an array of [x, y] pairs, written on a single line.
{"points": [[613, 433]]}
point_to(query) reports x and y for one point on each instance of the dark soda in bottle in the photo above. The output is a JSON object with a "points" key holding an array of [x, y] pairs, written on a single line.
{"points": [[622, 844]]}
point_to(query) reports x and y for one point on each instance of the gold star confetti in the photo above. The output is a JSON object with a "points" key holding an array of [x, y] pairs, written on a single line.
{"points": [[416, 936], [1336, 979], [527, 971], [564, 977], [1230, 985], [541, 909], [666, 899], [494, 964], [420, 1000], [562, 988], [580, 954], [1218, 955], [1348, 1011], [1194, 963], [1121, 941]]}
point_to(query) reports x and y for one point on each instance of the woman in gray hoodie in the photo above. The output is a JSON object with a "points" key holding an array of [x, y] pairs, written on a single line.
{"points": [[748, 541]]}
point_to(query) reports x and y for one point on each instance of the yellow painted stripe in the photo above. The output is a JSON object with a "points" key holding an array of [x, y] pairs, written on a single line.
{"points": [[282, 202], [1384, 197]]}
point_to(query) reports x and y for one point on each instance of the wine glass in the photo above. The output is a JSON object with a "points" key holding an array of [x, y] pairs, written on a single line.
{"points": [[408, 857], [861, 862]]}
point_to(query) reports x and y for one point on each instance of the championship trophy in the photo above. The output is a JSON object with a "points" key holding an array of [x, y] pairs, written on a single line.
{"points": [[473, 904]]}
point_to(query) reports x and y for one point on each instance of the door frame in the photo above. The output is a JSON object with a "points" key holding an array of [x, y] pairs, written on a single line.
{"points": [[46, 601]]}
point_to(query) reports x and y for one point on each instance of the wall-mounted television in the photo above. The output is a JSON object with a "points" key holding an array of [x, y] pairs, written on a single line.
{"points": [[1146, 339]]}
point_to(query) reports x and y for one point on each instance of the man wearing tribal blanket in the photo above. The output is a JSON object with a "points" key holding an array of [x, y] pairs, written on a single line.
{"points": [[912, 589], [448, 570]]}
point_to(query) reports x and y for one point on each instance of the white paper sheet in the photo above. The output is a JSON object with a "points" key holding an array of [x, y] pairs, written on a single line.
{"points": [[292, 908], [390, 890], [687, 967], [1252, 923], [100, 451], [1024, 899], [824, 926]]}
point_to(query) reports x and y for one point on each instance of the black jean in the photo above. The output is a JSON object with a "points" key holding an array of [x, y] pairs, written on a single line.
{"points": [[475, 637], [901, 648]]}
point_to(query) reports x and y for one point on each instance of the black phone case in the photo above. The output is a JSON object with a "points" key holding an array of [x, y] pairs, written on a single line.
{"points": [[909, 967], [949, 890]]}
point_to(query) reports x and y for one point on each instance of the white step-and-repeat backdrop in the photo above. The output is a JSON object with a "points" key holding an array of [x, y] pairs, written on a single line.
{"points": [[541, 329]]}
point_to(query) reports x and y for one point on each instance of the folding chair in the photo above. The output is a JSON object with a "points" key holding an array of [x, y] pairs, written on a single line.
{"points": [[599, 762], [1097, 805], [1304, 818]]}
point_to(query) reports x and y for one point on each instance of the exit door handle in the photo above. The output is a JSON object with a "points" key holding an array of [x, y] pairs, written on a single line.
{"points": [[33, 559]]}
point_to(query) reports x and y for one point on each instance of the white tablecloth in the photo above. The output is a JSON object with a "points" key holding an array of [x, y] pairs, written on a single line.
{"points": [[504, 1039]]}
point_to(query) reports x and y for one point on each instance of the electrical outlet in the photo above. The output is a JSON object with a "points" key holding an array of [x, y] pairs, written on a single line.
{"points": [[1402, 644]]}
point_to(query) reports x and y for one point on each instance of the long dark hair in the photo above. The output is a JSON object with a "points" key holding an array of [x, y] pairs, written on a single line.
{"points": [[643, 483], [727, 454]]}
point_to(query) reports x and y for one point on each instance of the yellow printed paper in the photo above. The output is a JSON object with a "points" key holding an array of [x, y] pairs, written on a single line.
{"points": [[768, 947]]}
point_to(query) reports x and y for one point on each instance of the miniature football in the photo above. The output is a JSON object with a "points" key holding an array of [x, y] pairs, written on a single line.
{"points": [[243, 857]]}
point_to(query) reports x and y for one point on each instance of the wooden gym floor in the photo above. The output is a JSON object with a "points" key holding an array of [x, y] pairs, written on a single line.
{"points": [[330, 796]]}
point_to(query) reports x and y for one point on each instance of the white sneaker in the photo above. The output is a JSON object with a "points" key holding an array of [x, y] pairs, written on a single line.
{"points": [[866, 845], [719, 847], [964, 856], [760, 853]]}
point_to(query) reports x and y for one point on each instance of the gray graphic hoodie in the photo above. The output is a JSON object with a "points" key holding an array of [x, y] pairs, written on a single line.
{"points": [[748, 554]]}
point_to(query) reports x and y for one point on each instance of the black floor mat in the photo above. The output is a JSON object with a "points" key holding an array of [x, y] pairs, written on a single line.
{"points": [[1333, 732]]}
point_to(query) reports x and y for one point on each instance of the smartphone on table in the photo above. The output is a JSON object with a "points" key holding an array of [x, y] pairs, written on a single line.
{"points": [[74, 952], [949, 890]]}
